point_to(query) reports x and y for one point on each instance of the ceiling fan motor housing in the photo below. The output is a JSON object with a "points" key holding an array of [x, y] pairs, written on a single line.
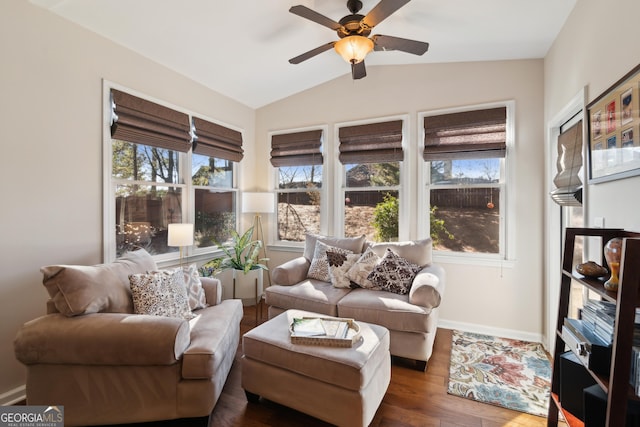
{"points": [[352, 25]]}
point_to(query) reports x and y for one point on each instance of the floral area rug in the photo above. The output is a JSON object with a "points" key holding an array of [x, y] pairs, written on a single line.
{"points": [[509, 373]]}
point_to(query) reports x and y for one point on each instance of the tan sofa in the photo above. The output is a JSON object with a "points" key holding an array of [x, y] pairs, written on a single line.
{"points": [[411, 318], [107, 365]]}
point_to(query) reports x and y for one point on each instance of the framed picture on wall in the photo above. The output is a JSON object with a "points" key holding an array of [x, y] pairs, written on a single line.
{"points": [[614, 123]]}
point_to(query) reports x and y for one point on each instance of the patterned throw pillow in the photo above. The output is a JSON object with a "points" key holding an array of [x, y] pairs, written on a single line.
{"points": [[339, 264], [394, 273], [161, 293], [319, 268], [359, 272], [195, 291]]}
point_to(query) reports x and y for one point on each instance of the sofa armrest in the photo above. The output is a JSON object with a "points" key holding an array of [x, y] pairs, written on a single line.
{"points": [[291, 272], [428, 287], [102, 339], [212, 290]]}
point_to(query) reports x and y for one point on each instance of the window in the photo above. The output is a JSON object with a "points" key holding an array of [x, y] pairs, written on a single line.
{"points": [[465, 185], [297, 158], [163, 166], [215, 151], [371, 155]]}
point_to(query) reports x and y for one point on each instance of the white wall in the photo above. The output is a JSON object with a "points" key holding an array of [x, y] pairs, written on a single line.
{"points": [[585, 55], [508, 299], [51, 145], [595, 48]]}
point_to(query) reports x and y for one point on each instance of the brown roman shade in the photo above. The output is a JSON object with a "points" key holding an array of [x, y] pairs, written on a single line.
{"points": [[144, 122], [217, 141], [568, 190], [297, 149], [477, 134], [371, 143]]}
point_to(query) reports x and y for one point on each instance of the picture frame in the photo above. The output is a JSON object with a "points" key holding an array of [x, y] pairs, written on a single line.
{"points": [[614, 131]]}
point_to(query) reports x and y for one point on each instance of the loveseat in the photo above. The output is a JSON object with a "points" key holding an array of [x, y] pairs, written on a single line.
{"points": [[407, 305], [108, 365]]}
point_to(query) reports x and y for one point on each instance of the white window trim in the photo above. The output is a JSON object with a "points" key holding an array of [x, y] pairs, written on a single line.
{"points": [[507, 254], [188, 214], [274, 181], [404, 189]]}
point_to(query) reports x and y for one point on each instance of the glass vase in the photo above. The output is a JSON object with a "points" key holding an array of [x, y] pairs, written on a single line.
{"points": [[613, 254]]}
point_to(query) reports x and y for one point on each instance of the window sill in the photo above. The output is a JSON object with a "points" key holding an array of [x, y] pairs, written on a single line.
{"points": [[468, 259]]}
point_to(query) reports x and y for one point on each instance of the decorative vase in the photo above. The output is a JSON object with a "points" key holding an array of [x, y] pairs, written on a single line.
{"points": [[613, 254]]}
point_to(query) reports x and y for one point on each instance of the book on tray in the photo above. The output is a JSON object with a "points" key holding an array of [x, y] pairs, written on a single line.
{"points": [[321, 328]]}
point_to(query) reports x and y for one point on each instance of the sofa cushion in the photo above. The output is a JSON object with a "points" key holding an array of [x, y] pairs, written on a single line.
{"points": [[415, 251], [161, 293], [394, 273], [319, 268], [339, 264], [354, 244], [393, 311], [195, 291], [359, 272], [310, 294], [214, 334], [76, 289]]}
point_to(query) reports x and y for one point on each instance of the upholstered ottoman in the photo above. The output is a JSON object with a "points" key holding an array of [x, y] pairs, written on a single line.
{"points": [[342, 386]]}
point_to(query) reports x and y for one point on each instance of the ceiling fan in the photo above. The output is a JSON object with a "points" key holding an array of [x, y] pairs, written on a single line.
{"points": [[354, 30]]}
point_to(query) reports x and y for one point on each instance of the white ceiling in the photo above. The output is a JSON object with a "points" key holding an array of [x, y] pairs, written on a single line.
{"points": [[241, 48]]}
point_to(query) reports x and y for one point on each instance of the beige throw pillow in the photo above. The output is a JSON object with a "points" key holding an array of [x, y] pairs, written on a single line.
{"points": [[354, 244], [103, 288]]}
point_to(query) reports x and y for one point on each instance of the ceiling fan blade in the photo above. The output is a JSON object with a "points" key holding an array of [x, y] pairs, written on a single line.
{"points": [[396, 43], [358, 70], [382, 11], [314, 16], [310, 54]]}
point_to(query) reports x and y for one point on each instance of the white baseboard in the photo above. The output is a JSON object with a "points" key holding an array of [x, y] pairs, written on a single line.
{"points": [[13, 396], [490, 330]]}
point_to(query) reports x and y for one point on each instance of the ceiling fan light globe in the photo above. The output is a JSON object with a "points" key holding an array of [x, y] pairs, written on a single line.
{"points": [[354, 49]]}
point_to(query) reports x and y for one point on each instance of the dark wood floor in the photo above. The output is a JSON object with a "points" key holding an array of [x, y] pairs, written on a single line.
{"points": [[414, 398]]}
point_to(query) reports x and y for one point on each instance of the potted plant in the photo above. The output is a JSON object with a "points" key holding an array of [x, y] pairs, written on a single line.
{"points": [[242, 255]]}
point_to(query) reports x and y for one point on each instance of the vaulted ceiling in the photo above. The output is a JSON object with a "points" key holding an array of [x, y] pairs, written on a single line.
{"points": [[241, 48]]}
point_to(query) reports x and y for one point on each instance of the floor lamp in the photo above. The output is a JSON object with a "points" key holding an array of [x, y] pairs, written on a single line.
{"points": [[180, 235], [259, 203]]}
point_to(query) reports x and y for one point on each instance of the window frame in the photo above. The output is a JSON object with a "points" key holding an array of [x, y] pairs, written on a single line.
{"points": [[275, 182], [188, 188], [403, 188], [506, 184]]}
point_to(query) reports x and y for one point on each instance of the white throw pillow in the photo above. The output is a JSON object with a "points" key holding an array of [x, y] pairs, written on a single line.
{"points": [[195, 291], [319, 268], [359, 272], [339, 264], [161, 293]]}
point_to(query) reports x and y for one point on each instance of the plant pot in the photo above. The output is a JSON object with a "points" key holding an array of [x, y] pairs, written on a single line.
{"points": [[248, 286]]}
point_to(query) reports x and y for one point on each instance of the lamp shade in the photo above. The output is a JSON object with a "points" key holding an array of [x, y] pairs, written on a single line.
{"points": [[180, 235], [258, 202], [353, 49]]}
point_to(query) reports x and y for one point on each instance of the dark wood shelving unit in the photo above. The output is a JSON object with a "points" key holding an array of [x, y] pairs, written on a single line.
{"points": [[616, 385]]}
